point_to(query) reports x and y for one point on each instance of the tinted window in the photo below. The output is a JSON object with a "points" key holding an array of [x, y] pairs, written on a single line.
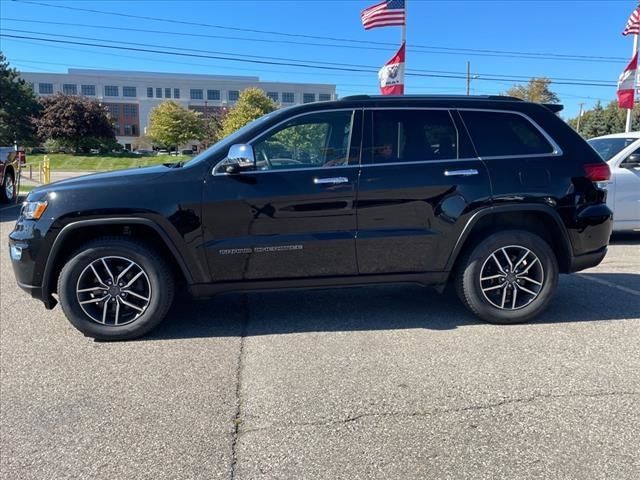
{"points": [[413, 136], [317, 140], [497, 134], [609, 147]]}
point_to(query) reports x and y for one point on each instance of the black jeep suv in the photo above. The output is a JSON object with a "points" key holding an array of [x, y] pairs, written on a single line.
{"points": [[492, 194]]}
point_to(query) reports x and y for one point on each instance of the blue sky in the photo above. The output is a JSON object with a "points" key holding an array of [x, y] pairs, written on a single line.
{"points": [[589, 28]]}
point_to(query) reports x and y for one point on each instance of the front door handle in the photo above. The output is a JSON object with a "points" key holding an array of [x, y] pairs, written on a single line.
{"points": [[460, 173], [330, 181]]}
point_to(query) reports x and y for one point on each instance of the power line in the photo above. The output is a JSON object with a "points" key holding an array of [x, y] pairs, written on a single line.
{"points": [[331, 66], [450, 50]]}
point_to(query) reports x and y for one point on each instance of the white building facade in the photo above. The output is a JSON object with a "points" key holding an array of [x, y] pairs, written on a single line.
{"points": [[130, 96]]}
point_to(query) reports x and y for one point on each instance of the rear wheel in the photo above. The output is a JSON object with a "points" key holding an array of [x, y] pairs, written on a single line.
{"points": [[509, 277], [8, 192], [115, 289]]}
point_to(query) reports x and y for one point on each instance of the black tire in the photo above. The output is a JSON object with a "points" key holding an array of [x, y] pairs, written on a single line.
{"points": [[156, 275], [505, 310], [8, 181]]}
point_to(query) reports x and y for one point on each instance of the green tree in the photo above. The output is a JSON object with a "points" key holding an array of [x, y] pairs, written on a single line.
{"points": [[536, 90], [172, 125], [18, 107], [75, 122], [605, 120], [253, 103]]}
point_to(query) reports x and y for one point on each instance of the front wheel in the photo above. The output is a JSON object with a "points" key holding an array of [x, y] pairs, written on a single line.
{"points": [[115, 289], [8, 192], [509, 277]]}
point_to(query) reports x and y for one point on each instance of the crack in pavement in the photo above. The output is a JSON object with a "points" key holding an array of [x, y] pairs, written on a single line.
{"points": [[239, 372], [445, 411]]}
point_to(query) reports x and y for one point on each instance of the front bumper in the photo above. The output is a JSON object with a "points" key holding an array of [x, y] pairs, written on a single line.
{"points": [[588, 260]]}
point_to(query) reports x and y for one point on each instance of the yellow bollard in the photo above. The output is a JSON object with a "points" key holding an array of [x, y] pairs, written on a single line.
{"points": [[45, 170]]}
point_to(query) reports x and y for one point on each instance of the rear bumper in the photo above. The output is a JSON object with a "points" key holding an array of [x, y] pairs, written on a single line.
{"points": [[588, 260]]}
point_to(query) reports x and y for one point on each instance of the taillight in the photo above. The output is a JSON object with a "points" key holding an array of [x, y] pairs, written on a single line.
{"points": [[597, 172]]}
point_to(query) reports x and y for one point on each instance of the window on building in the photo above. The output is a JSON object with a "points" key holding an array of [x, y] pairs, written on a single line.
{"points": [[128, 130], [69, 89], [111, 91], [113, 109], [45, 88], [213, 94], [323, 97], [273, 96], [497, 134], [413, 136], [308, 97], [129, 92], [233, 95], [130, 110], [89, 90], [176, 93], [287, 97], [116, 128], [149, 92], [167, 93], [196, 94], [158, 92]]}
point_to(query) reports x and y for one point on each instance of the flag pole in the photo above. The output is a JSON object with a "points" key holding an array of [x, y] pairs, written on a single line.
{"points": [[628, 125], [403, 39]]}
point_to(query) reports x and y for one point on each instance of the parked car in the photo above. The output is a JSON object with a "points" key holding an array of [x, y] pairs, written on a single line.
{"points": [[10, 163], [622, 152], [494, 195], [163, 152], [146, 153]]}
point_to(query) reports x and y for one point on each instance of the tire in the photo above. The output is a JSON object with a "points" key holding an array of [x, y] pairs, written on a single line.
{"points": [[85, 277], [8, 190], [492, 298]]}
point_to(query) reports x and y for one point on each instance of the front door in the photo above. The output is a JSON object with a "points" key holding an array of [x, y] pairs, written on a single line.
{"points": [[292, 216], [419, 184]]}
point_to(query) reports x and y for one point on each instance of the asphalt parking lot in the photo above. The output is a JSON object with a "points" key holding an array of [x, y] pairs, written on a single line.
{"points": [[385, 382]]}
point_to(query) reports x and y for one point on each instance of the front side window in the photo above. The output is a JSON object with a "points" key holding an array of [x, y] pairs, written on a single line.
{"points": [[413, 136], [110, 91], [316, 140], [500, 134], [196, 94], [610, 147], [89, 90], [129, 91], [45, 88], [69, 89]]}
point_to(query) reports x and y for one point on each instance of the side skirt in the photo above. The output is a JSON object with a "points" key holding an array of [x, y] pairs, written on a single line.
{"points": [[435, 279]]}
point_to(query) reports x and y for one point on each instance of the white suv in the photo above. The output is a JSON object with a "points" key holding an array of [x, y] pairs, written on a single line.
{"points": [[622, 152]]}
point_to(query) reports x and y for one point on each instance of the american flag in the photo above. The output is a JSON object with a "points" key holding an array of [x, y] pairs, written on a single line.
{"points": [[384, 14], [633, 24]]}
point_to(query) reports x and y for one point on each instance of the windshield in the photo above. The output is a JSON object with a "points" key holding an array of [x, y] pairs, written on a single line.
{"points": [[226, 142], [610, 147]]}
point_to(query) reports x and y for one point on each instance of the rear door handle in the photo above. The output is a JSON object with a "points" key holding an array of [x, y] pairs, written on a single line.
{"points": [[330, 181], [460, 173]]}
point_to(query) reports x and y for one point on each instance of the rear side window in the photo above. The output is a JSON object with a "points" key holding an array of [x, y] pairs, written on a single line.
{"points": [[413, 136], [498, 134]]}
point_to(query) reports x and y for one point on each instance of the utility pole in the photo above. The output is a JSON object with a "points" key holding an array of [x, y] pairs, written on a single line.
{"points": [[468, 77], [579, 117]]}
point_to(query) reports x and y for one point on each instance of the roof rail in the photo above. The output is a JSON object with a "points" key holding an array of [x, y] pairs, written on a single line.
{"points": [[431, 97]]}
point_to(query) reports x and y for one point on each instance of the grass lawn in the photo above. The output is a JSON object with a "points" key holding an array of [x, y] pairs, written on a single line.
{"points": [[99, 163]]}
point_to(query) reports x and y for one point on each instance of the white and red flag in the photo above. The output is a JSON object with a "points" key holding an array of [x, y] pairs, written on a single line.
{"points": [[389, 13], [627, 84], [391, 76], [633, 24]]}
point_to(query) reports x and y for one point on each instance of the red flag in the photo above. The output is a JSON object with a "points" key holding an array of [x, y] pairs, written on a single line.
{"points": [[627, 84], [633, 24], [391, 76]]}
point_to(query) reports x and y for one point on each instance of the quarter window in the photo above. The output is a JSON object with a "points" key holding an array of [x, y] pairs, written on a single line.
{"points": [[69, 89], [110, 91], [413, 136], [498, 134], [316, 140]]}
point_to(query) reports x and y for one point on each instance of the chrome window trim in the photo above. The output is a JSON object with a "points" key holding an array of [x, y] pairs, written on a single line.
{"points": [[273, 127], [557, 151]]}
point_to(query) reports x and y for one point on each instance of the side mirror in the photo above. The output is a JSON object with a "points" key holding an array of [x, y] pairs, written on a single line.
{"points": [[632, 161], [240, 158]]}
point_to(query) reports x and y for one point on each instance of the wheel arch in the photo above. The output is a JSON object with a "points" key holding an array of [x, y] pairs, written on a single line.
{"points": [[75, 234], [539, 219]]}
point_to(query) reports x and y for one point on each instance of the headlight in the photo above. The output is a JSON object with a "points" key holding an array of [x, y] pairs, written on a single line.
{"points": [[33, 210]]}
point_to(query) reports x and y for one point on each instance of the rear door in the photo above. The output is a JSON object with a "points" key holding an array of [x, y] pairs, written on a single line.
{"points": [[420, 183], [626, 203], [294, 216]]}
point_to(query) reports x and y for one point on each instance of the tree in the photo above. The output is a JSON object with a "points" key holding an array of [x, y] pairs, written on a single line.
{"points": [[537, 90], [172, 125], [605, 120], [253, 103], [18, 107], [75, 122]]}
